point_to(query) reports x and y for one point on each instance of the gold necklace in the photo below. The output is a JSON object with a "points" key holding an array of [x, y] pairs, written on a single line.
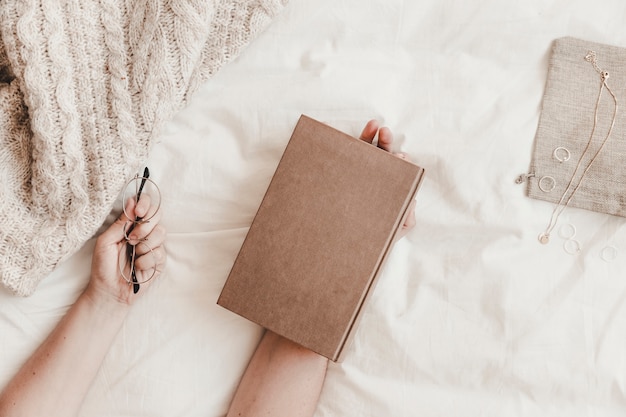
{"points": [[544, 237]]}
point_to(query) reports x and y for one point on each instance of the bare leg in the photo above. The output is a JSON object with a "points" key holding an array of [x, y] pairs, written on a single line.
{"points": [[282, 379]]}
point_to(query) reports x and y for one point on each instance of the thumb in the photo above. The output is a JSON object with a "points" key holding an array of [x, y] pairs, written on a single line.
{"points": [[115, 233]]}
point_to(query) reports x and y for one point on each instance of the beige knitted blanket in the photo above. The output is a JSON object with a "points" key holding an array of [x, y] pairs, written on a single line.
{"points": [[84, 87]]}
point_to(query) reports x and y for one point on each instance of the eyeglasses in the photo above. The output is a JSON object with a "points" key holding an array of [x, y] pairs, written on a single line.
{"points": [[136, 248]]}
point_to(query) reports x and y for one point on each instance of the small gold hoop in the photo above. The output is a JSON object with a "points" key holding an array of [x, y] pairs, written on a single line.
{"points": [[561, 154], [551, 183], [608, 253], [571, 246], [567, 231]]}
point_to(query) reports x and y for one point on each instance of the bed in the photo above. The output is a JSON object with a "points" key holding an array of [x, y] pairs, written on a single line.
{"points": [[471, 316]]}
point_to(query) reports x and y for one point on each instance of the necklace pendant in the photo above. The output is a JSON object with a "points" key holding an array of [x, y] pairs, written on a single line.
{"points": [[544, 238]]}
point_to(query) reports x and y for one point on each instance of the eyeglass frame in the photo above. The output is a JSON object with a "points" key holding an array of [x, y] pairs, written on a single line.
{"points": [[131, 248]]}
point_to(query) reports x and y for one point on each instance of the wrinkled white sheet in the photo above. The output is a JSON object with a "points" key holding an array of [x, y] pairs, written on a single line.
{"points": [[471, 316]]}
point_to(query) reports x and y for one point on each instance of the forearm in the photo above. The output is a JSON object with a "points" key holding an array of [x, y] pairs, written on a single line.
{"points": [[282, 379], [56, 378]]}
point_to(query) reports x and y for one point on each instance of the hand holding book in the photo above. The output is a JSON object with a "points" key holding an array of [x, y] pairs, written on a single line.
{"points": [[292, 375], [328, 220], [385, 141]]}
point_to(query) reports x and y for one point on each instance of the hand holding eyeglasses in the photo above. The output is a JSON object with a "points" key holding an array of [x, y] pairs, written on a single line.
{"points": [[130, 252]]}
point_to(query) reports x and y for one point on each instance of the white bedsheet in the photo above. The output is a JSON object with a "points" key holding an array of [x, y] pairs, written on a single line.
{"points": [[471, 316]]}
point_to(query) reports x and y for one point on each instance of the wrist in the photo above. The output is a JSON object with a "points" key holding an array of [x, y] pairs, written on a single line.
{"points": [[103, 303]]}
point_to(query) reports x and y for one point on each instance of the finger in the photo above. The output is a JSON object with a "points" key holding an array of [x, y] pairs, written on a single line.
{"points": [[144, 276], [385, 138], [410, 221], [369, 131], [143, 207], [115, 233], [153, 240], [402, 155], [151, 260], [143, 228]]}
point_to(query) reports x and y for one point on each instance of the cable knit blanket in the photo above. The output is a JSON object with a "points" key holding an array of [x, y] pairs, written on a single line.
{"points": [[84, 87]]}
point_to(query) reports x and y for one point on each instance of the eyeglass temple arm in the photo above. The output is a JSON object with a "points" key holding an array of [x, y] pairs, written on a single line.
{"points": [[129, 247]]}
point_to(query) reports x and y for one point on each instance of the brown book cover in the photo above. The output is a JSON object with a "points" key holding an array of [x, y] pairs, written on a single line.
{"points": [[317, 243]]}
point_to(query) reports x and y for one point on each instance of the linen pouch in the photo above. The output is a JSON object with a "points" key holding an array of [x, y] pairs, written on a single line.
{"points": [[566, 141]]}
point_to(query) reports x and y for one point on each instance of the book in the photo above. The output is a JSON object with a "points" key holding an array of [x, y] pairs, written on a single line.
{"points": [[320, 237]]}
